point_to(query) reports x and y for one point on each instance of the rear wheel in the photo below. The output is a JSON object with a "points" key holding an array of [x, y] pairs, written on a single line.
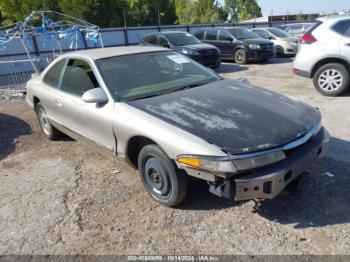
{"points": [[240, 57], [331, 79], [160, 177], [48, 130], [279, 51]]}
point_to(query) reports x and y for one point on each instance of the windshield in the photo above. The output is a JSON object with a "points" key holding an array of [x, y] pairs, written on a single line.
{"points": [[144, 75], [278, 32], [243, 33], [181, 39]]}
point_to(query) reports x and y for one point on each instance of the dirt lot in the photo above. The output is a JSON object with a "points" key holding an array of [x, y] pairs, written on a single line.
{"points": [[65, 198]]}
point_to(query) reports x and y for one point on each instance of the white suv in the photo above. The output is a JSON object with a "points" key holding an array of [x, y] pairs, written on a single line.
{"points": [[324, 55]]}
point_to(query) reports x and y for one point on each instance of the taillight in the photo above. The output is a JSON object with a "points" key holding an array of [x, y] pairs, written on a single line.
{"points": [[308, 39]]}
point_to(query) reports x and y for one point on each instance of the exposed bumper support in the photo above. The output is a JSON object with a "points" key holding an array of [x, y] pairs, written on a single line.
{"points": [[269, 182]]}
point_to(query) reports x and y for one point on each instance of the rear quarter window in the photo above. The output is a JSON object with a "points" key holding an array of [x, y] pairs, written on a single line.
{"points": [[52, 77], [150, 39], [342, 27], [211, 35], [199, 35]]}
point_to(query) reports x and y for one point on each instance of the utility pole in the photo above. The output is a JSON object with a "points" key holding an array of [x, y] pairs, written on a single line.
{"points": [[125, 29], [158, 16], [124, 17]]}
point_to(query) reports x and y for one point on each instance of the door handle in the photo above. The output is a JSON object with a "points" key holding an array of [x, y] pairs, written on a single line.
{"points": [[347, 44], [58, 102]]}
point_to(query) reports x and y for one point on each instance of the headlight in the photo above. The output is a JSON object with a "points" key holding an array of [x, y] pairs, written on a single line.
{"points": [[256, 160], [232, 164], [254, 46], [214, 164], [189, 52]]}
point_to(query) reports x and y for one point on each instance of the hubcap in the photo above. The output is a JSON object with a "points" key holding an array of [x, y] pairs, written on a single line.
{"points": [[44, 122], [239, 57], [330, 80], [156, 178]]}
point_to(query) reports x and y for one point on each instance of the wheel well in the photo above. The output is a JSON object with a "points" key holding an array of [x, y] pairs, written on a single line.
{"points": [[35, 101], [327, 61], [134, 147]]}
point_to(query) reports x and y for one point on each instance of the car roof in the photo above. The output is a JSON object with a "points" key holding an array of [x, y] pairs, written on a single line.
{"points": [[301, 23], [166, 33], [172, 32], [98, 53], [223, 27], [333, 18], [264, 28]]}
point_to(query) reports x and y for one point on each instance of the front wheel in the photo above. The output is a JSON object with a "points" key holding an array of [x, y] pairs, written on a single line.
{"points": [[331, 79], [241, 57], [160, 177], [48, 130], [279, 51]]}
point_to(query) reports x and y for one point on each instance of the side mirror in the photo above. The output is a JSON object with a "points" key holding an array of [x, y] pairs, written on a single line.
{"points": [[270, 37], [96, 95]]}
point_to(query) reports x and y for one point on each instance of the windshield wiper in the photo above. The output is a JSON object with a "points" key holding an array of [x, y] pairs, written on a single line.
{"points": [[190, 86], [146, 96]]}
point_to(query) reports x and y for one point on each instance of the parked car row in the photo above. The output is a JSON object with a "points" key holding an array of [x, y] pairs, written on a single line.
{"points": [[210, 46], [322, 49]]}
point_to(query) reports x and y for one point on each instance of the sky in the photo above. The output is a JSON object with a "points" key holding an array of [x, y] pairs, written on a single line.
{"points": [[280, 7]]}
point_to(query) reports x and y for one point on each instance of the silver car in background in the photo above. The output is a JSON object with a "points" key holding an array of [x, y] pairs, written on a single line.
{"points": [[284, 43], [171, 118], [296, 29], [324, 55]]}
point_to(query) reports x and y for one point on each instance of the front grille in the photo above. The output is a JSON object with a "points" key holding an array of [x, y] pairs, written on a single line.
{"points": [[266, 46], [208, 52]]}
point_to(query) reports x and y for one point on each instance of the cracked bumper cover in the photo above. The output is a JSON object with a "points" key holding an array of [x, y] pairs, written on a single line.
{"points": [[267, 183]]}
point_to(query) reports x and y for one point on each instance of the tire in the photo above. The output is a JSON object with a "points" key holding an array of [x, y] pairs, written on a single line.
{"points": [[216, 66], [279, 51], [240, 57], [160, 176], [49, 131], [331, 79]]}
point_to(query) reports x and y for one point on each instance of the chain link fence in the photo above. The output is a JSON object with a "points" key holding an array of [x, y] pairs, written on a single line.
{"points": [[22, 58]]}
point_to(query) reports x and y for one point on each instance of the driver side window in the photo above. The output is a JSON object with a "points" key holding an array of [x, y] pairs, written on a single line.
{"points": [[78, 78], [225, 36], [262, 34]]}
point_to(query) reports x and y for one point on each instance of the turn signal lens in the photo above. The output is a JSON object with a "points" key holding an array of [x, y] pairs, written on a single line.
{"points": [[193, 162]]}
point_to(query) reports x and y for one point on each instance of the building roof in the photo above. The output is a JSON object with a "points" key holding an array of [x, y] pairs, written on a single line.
{"points": [[99, 53], [333, 17]]}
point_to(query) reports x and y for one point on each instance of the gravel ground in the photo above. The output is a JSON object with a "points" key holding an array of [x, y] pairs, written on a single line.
{"points": [[65, 198]]}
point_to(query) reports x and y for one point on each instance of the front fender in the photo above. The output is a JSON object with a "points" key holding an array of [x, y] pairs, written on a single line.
{"points": [[130, 122]]}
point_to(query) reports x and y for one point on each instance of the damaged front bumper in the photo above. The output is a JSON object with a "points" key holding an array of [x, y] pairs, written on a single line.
{"points": [[268, 182]]}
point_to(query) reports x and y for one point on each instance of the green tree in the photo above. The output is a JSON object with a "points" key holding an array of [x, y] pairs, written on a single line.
{"points": [[240, 10], [16, 10], [149, 12], [104, 13], [184, 11], [199, 12]]}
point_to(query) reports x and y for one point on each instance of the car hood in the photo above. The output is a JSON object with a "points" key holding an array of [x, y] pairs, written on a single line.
{"points": [[255, 41], [198, 47], [236, 117]]}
